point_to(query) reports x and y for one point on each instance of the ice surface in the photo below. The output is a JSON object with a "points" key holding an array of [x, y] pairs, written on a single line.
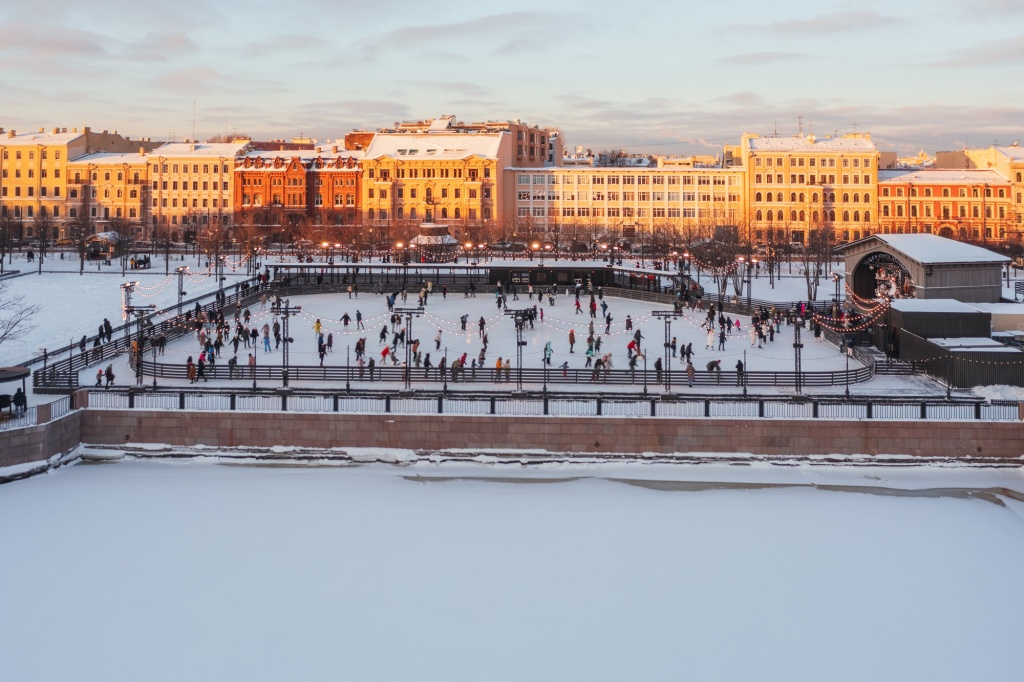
{"points": [[172, 571]]}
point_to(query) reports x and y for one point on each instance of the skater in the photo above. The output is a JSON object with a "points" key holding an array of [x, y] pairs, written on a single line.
{"points": [[572, 340], [691, 372], [739, 372], [437, 340]]}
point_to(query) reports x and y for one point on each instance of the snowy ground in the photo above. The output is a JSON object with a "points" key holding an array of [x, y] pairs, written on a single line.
{"points": [[171, 571]]}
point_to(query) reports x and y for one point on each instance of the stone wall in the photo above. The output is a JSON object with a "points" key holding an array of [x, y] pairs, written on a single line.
{"points": [[41, 442], [558, 434]]}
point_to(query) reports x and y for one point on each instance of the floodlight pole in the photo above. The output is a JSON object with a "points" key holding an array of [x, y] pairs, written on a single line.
{"points": [[797, 346], [285, 310], [519, 316], [409, 313], [667, 316]]}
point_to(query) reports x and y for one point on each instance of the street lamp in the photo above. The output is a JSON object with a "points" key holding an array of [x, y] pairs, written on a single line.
{"points": [[534, 248]]}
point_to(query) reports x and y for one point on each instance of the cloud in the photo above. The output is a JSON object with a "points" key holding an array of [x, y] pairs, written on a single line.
{"points": [[754, 58], [1007, 51], [745, 98], [492, 27], [194, 79], [159, 47], [40, 41], [836, 22], [987, 9]]}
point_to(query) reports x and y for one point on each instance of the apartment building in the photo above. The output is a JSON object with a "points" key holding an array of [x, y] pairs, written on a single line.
{"points": [[970, 205], [284, 188], [33, 170], [109, 192], [446, 172], [636, 204], [192, 185], [797, 184]]}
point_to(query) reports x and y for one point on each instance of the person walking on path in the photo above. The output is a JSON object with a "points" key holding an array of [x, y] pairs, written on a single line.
{"points": [[437, 340], [359, 320], [572, 340], [657, 368], [721, 340]]}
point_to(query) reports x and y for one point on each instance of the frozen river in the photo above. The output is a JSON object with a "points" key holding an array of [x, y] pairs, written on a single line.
{"points": [[191, 570]]}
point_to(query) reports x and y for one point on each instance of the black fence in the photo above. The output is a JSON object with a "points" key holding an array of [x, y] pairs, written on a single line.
{"points": [[347, 374], [542, 404]]}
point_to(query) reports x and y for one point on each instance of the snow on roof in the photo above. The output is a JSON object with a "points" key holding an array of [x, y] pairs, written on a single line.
{"points": [[110, 158], [435, 145], [433, 240], [211, 149], [941, 176], [933, 249], [1015, 152], [974, 344], [931, 305], [32, 139], [813, 144], [999, 308]]}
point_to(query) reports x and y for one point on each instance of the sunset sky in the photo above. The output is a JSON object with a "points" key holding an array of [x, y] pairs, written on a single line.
{"points": [[665, 77]]}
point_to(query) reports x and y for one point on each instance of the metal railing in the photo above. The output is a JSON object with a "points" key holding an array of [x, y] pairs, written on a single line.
{"points": [[17, 419], [563, 405]]}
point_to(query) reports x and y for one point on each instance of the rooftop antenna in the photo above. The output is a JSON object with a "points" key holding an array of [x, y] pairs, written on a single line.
{"points": [[800, 125], [854, 127], [193, 120], [776, 133]]}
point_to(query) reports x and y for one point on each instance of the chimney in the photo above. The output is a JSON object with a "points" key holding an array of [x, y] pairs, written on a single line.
{"points": [[334, 149], [142, 151], [12, 133], [56, 131], [63, 130], [42, 130]]}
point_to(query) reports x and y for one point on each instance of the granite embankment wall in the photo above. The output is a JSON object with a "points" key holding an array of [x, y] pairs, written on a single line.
{"points": [[973, 439]]}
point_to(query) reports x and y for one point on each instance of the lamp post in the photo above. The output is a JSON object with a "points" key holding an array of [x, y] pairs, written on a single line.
{"points": [[836, 277], [181, 285], [534, 248], [667, 316], [797, 346], [409, 313]]}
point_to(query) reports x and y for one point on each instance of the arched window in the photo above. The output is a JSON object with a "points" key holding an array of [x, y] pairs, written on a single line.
{"points": [[856, 216], [458, 213], [371, 214], [814, 198], [814, 216], [769, 216], [757, 197], [792, 197], [400, 213], [778, 214], [802, 216], [803, 197], [768, 197], [856, 198], [832, 216], [792, 216], [867, 216], [412, 213], [759, 215], [487, 213], [867, 198], [778, 197], [846, 197], [832, 197], [846, 216], [444, 212]]}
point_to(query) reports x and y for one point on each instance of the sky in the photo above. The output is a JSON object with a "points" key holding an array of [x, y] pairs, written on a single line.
{"points": [[648, 76]]}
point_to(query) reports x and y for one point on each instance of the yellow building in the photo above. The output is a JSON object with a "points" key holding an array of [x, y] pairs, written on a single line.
{"points": [[33, 172], [1009, 163], [445, 172], [191, 185], [576, 208], [111, 191], [798, 184]]}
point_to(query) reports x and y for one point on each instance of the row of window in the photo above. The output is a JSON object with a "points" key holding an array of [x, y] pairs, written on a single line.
{"points": [[217, 186], [890, 211], [800, 216], [671, 197], [184, 168], [583, 179], [624, 212], [946, 192], [428, 214], [801, 179], [824, 162], [31, 173], [29, 212], [31, 154], [184, 203], [827, 197], [298, 199], [30, 191]]}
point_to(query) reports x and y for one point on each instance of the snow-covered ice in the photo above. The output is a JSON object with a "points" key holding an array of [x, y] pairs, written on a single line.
{"points": [[169, 571]]}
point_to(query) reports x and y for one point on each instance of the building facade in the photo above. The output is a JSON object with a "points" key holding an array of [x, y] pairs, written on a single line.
{"points": [[968, 205], [108, 192]]}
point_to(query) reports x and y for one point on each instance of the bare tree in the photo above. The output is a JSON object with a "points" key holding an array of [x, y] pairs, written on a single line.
{"points": [[611, 157], [43, 226], [816, 257], [9, 227], [15, 314], [79, 230]]}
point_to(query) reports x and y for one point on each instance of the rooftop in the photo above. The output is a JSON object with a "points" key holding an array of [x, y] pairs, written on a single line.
{"points": [[209, 149], [931, 305], [1015, 152], [434, 145], [810, 143], [941, 176], [11, 138], [111, 158], [933, 249]]}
